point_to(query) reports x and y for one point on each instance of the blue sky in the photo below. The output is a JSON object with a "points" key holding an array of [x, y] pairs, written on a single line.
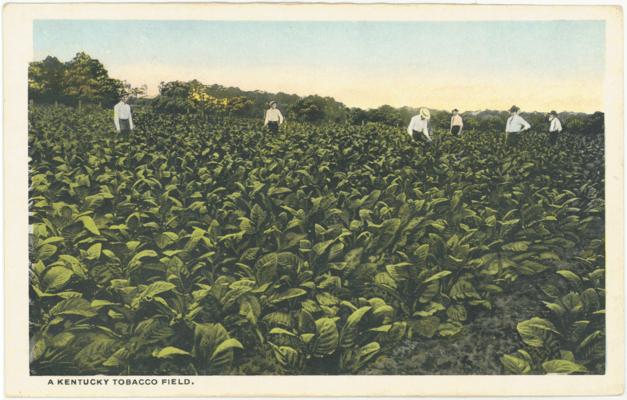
{"points": [[389, 57]]}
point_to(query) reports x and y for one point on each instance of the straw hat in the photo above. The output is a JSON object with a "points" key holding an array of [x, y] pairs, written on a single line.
{"points": [[272, 103], [424, 113]]}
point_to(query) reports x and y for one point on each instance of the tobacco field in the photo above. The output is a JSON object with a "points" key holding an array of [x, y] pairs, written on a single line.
{"points": [[205, 248]]}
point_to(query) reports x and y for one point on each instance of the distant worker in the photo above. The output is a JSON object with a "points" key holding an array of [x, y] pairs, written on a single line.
{"points": [[555, 127], [457, 124], [515, 125], [122, 117], [274, 118], [419, 126]]}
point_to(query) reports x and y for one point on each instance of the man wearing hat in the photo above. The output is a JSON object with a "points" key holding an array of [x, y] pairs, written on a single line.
{"points": [[555, 127], [456, 123], [515, 126], [274, 118], [419, 126]]}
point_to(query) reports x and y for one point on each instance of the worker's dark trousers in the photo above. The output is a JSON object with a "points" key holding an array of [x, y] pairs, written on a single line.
{"points": [[419, 137], [512, 138], [273, 126], [553, 137], [125, 125]]}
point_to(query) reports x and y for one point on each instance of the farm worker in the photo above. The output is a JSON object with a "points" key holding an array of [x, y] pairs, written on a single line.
{"points": [[419, 126], [515, 125], [555, 127], [456, 123], [122, 117], [274, 118]]}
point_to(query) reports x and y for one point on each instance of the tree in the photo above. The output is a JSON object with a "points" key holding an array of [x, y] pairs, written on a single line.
{"points": [[357, 116], [386, 115], [308, 109], [174, 97], [45, 80], [240, 106], [194, 97], [80, 80], [596, 124], [134, 92], [87, 80], [585, 124]]}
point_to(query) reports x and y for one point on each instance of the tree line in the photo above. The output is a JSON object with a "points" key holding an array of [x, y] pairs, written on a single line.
{"points": [[82, 80], [85, 80]]}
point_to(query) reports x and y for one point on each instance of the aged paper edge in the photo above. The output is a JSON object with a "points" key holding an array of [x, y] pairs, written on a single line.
{"points": [[17, 48]]}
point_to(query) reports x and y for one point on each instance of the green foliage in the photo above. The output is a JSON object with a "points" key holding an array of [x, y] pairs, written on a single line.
{"points": [[79, 81], [84, 80], [309, 109], [199, 247], [571, 339]]}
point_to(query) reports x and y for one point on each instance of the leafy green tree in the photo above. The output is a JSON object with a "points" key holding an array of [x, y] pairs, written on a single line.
{"points": [[441, 120], [45, 80], [385, 114], [240, 106], [308, 109], [87, 81], [174, 97], [357, 116], [257, 102], [596, 124]]}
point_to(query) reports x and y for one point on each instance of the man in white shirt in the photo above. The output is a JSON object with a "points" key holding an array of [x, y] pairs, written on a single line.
{"points": [[419, 126], [122, 117], [456, 123], [274, 118], [515, 126], [555, 127]]}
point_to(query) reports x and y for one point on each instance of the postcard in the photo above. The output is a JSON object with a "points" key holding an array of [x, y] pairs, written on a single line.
{"points": [[313, 200]]}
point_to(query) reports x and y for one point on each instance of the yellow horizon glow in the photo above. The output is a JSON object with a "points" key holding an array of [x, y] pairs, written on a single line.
{"points": [[395, 87]]}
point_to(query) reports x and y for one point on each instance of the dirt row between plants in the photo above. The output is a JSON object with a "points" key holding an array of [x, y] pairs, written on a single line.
{"points": [[476, 350]]}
